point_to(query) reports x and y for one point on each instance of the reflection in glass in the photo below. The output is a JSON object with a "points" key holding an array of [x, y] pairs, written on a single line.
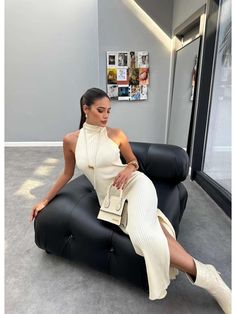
{"points": [[218, 146]]}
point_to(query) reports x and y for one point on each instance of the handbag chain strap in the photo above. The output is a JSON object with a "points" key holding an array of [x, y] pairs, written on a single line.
{"points": [[95, 159]]}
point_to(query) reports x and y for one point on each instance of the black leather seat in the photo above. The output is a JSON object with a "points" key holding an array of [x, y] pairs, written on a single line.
{"points": [[68, 225]]}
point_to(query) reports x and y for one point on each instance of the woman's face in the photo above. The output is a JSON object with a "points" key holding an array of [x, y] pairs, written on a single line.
{"points": [[99, 111]]}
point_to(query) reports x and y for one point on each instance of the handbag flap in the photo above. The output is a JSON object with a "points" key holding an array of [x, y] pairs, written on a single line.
{"points": [[113, 205]]}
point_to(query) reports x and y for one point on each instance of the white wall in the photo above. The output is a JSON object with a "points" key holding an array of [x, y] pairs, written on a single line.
{"points": [[55, 50], [122, 27], [183, 9], [160, 11], [51, 58]]}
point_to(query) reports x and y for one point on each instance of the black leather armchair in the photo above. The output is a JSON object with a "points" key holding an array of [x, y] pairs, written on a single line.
{"points": [[68, 225]]}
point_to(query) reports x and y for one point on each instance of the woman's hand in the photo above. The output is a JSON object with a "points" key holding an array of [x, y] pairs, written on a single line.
{"points": [[36, 208], [123, 176]]}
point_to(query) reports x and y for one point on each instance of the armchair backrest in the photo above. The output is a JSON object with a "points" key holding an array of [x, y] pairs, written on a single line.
{"points": [[161, 161]]}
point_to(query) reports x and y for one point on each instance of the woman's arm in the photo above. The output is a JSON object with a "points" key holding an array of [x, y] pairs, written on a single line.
{"points": [[69, 168], [67, 174], [126, 149]]}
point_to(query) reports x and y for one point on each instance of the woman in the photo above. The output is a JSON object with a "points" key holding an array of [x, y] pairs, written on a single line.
{"points": [[95, 149]]}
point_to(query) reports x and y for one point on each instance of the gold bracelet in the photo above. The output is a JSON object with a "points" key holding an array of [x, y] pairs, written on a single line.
{"points": [[135, 163], [134, 169]]}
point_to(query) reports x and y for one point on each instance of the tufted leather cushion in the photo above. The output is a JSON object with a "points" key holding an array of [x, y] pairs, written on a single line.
{"points": [[161, 161], [68, 225]]}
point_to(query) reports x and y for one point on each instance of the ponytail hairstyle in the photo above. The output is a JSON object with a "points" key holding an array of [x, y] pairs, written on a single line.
{"points": [[88, 98]]}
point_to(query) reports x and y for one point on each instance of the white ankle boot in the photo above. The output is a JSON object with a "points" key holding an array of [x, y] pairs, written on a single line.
{"points": [[208, 277]]}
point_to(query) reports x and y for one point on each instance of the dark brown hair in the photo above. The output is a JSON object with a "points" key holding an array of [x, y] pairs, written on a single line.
{"points": [[88, 98]]}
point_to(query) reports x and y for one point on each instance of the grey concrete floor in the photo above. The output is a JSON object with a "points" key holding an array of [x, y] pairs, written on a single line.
{"points": [[36, 282]]}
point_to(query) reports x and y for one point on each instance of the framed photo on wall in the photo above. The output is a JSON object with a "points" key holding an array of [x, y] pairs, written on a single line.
{"points": [[127, 75]]}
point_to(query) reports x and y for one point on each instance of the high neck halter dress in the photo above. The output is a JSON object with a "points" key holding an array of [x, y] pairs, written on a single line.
{"points": [[143, 215]]}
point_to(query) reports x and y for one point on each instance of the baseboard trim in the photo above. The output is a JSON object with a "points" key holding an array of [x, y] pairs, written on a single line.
{"points": [[219, 194], [33, 144]]}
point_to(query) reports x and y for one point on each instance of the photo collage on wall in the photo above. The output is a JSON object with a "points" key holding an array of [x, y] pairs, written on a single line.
{"points": [[127, 75]]}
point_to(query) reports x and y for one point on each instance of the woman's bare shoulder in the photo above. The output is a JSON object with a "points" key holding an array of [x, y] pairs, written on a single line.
{"points": [[71, 136], [70, 139], [111, 130], [115, 134]]}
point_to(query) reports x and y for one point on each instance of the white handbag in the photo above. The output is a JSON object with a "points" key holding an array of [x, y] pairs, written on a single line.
{"points": [[114, 207]]}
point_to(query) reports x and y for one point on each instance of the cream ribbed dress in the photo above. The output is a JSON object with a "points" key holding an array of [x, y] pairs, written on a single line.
{"points": [[143, 226]]}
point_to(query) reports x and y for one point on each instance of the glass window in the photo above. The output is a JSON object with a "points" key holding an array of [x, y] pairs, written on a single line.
{"points": [[217, 161]]}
